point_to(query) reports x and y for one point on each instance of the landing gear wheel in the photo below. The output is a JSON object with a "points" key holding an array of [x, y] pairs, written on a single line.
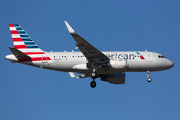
{"points": [[149, 79], [93, 84], [93, 75]]}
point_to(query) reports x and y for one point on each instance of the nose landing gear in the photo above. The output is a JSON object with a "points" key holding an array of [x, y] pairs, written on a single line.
{"points": [[93, 83], [148, 74], [149, 79]]}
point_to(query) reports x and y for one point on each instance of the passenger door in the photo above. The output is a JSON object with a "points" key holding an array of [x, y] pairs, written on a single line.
{"points": [[148, 56]]}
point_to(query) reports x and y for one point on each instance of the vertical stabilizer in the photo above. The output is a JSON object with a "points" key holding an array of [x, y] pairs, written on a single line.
{"points": [[21, 39], [23, 43]]}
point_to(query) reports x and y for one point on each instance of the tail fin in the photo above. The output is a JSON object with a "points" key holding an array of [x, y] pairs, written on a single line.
{"points": [[21, 39], [25, 47]]}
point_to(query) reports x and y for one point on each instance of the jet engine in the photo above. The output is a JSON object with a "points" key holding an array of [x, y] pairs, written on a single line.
{"points": [[116, 64], [114, 78]]}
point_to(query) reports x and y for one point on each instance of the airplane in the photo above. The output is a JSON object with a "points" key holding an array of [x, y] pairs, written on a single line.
{"points": [[109, 66]]}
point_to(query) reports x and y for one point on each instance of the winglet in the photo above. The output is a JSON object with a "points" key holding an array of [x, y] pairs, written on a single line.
{"points": [[69, 28]]}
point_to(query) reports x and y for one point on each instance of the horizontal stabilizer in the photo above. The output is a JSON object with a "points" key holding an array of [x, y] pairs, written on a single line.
{"points": [[18, 53]]}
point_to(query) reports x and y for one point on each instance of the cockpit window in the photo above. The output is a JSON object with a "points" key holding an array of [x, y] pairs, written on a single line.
{"points": [[161, 56]]}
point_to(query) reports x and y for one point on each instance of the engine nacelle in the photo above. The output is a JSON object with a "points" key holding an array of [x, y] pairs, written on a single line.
{"points": [[118, 64], [115, 78]]}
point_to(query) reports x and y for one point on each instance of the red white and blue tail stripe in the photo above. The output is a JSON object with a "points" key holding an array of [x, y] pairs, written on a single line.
{"points": [[23, 42], [21, 39]]}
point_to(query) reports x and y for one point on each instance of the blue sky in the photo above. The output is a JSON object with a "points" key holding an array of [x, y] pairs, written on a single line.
{"points": [[28, 93]]}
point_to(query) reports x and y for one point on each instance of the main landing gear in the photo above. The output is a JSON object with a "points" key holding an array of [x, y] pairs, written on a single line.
{"points": [[148, 74], [93, 83]]}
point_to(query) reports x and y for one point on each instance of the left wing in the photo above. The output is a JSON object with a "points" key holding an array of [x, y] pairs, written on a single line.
{"points": [[89, 51]]}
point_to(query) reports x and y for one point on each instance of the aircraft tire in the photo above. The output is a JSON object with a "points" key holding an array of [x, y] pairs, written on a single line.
{"points": [[93, 75], [93, 84], [149, 79]]}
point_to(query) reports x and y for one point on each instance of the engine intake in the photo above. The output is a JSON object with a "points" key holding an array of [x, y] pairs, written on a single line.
{"points": [[116, 64]]}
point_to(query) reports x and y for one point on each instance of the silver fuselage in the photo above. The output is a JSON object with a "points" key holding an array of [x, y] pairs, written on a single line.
{"points": [[76, 62]]}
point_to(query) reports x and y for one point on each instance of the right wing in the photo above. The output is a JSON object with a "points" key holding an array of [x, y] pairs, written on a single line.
{"points": [[89, 51]]}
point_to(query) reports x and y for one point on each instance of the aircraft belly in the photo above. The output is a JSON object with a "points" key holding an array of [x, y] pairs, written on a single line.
{"points": [[143, 66], [61, 64], [137, 65]]}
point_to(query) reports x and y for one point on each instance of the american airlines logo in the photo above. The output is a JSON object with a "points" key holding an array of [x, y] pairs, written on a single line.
{"points": [[140, 56], [126, 56]]}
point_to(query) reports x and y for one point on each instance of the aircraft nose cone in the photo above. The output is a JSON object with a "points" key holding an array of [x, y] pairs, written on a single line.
{"points": [[170, 64]]}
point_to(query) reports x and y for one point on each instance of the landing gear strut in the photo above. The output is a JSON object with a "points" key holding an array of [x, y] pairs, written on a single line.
{"points": [[93, 76], [148, 74]]}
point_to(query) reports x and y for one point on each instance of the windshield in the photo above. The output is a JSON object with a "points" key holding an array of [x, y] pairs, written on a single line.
{"points": [[161, 56]]}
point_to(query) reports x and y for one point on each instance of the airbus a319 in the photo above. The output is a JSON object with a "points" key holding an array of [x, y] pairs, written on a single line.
{"points": [[109, 66]]}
